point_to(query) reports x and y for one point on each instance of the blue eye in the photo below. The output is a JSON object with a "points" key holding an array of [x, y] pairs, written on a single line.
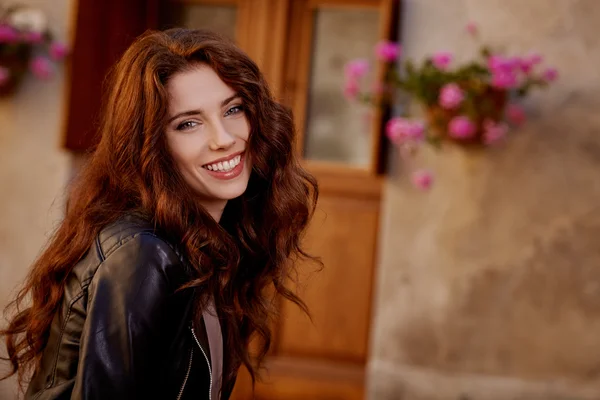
{"points": [[184, 126], [234, 110]]}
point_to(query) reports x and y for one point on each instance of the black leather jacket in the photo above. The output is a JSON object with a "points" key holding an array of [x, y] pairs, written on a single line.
{"points": [[122, 332]]}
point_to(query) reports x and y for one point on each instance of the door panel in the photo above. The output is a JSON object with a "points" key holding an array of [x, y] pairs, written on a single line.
{"points": [[343, 233]]}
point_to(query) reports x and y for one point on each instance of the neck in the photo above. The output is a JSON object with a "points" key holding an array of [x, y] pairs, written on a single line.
{"points": [[215, 208]]}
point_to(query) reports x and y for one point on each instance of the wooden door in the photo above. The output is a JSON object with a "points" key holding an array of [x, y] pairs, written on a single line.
{"points": [[302, 46]]}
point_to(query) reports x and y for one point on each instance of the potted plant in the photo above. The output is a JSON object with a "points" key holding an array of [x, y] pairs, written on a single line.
{"points": [[26, 45], [471, 104]]}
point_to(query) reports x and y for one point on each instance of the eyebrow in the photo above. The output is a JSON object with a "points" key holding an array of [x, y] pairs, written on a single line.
{"points": [[199, 111]]}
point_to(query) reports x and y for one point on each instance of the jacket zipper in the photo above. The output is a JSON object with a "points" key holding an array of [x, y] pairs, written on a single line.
{"points": [[187, 375], [207, 363]]}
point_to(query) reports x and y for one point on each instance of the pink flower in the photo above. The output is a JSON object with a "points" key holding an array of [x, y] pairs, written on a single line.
{"points": [[550, 74], [394, 128], [58, 51], [472, 28], [41, 68], [504, 79], [33, 37], [4, 75], [400, 129], [8, 34], [499, 63], [503, 71], [527, 63], [422, 179], [451, 96], [356, 69], [351, 89], [442, 60], [515, 114], [495, 62], [461, 127], [493, 131], [387, 51], [514, 63], [414, 130]]}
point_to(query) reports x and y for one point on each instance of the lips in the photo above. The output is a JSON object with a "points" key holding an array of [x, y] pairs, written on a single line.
{"points": [[226, 168], [224, 164]]}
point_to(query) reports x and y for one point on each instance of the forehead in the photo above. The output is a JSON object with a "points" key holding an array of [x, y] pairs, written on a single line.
{"points": [[199, 87]]}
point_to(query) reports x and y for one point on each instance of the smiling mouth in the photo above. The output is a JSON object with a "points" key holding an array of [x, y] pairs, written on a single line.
{"points": [[224, 165]]}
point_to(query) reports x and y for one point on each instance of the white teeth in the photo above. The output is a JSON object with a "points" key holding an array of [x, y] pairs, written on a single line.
{"points": [[224, 165]]}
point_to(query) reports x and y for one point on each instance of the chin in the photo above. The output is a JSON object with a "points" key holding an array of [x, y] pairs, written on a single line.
{"points": [[227, 189], [210, 186], [230, 193]]}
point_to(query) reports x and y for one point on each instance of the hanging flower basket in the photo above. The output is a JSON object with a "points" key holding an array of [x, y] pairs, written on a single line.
{"points": [[26, 46], [490, 104], [471, 104]]}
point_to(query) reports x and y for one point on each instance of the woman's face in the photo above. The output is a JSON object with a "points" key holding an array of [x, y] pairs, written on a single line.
{"points": [[207, 134]]}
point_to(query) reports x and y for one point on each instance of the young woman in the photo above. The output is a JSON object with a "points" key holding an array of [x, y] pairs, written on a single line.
{"points": [[188, 215]]}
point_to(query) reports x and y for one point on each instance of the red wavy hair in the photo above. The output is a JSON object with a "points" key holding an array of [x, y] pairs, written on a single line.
{"points": [[239, 260]]}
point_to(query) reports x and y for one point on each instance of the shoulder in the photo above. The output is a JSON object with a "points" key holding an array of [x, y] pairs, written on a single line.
{"points": [[123, 230], [131, 250]]}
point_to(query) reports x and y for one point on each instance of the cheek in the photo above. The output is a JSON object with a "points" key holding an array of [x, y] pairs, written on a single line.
{"points": [[238, 127], [178, 153], [185, 149]]}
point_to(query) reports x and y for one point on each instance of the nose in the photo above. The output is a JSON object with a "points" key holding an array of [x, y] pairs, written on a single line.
{"points": [[221, 139]]}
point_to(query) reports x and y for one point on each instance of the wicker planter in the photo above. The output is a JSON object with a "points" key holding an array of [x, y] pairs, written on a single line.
{"points": [[490, 104]]}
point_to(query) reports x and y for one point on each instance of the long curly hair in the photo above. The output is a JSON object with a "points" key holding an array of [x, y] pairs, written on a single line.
{"points": [[244, 261]]}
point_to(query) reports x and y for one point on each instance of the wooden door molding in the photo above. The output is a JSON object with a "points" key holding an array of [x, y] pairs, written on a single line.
{"points": [[263, 33], [338, 180], [297, 74]]}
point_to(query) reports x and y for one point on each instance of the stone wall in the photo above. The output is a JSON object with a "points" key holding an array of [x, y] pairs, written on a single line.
{"points": [[489, 285]]}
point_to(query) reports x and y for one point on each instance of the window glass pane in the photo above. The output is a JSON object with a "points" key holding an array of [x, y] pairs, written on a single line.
{"points": [[335, 128]]}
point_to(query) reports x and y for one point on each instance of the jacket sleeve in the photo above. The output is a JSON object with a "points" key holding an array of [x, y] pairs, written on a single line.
{"points": [[130, 312]]}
